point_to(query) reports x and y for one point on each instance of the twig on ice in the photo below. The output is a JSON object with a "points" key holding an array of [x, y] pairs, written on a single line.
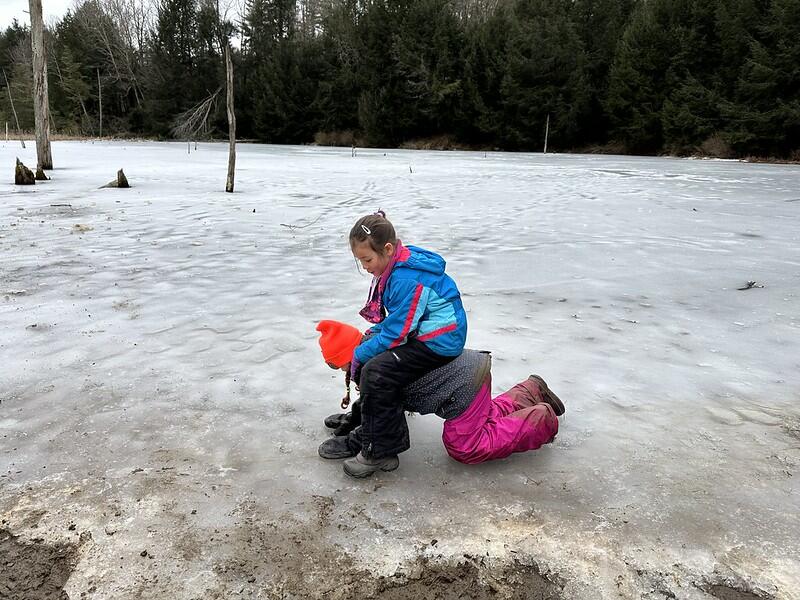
{"points": [[293, 227]]}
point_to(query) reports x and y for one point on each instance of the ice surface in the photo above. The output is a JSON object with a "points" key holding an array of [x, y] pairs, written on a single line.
{"points": [[159, 341]]}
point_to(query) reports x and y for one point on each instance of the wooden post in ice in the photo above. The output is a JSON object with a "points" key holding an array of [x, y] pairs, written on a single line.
{"points": [[13, 110], [41, 103], [100, 99], [231, 120], [546, 132]]}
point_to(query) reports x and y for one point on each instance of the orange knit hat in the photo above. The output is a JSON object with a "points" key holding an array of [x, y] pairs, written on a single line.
{"points": [[338, 341]]}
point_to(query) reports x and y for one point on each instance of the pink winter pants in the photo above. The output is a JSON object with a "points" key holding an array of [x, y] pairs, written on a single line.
{"points": [[491, 428]]}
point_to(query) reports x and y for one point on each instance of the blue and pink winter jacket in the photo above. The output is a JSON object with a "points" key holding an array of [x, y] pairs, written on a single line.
{"points": [[421, 302]]}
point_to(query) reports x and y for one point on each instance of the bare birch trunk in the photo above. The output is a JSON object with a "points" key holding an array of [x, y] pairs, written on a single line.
{"points": [[231, 120], [41, 103]]}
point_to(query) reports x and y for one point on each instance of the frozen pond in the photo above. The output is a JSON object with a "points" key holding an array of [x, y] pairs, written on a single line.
{"points": [[161, 378]]}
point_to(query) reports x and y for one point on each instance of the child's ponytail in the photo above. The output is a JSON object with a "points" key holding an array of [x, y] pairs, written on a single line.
{"points": [[374, 228]]}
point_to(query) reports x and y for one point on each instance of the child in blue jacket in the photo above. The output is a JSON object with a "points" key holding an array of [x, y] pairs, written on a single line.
{"points": [[419, 325]]}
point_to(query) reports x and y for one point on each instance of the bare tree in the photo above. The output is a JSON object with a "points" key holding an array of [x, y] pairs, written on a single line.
{"points": [[310, 15], [40, 98], [231, 120], [474, 10], [195, 121], [119, 29], [134, 19], [224, 31], [14, 110]]}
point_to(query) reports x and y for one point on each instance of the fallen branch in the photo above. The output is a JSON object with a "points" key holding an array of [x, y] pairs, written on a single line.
{"points": [[293, 227], [195, 120]]}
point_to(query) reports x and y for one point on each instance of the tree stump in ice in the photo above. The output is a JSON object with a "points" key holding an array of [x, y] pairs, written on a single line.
{"points": [[120, 182], [23, 175], [40, 176]]}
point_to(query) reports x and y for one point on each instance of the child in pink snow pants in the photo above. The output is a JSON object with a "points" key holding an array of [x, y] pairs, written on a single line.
{"points": [[518, 420], [477, 427]]}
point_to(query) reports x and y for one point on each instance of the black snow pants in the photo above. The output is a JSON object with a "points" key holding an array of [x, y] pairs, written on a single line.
{"points": [[384, 431]]}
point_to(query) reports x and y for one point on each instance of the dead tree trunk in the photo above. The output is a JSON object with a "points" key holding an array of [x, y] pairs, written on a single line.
{"points": [[231, 120], [41, 103], [100, 99], [14, 110], [546, 132]]}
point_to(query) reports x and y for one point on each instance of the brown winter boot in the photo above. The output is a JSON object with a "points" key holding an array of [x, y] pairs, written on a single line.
{"points": [[548, 396]]}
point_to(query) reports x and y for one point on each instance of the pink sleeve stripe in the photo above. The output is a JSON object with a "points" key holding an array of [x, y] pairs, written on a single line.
{"points": [[435, 332], [409, 317]]}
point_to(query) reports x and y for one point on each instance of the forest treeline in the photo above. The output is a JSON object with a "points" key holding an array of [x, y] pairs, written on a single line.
{"points": [[718, 77]]}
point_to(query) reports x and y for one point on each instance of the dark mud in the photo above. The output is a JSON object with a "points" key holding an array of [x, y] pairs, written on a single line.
{"points": [[259, 555], [724, 592], [467, 580], [35, 570], [286, 558]]}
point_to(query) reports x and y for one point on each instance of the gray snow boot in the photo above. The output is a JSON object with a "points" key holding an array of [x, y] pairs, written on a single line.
{"points": [[336, 447], [361, 467]]}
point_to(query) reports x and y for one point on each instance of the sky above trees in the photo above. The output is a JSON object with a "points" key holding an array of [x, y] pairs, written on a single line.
{"points": [[18, 9]]}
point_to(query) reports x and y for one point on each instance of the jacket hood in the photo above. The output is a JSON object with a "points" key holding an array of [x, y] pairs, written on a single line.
{"points": [[423, 260]]}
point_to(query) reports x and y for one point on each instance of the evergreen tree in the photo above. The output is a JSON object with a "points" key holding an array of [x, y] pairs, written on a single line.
{"points": [[13, 40], [690, 114], [544, 75], [285, 94], [738, 23], [600, 24], [381, 95], [691, 110], [69, 94], [657, 75], [766, 115], [21, 88], [339, 47], [637, 79], [483, 59], [173, 86]]}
